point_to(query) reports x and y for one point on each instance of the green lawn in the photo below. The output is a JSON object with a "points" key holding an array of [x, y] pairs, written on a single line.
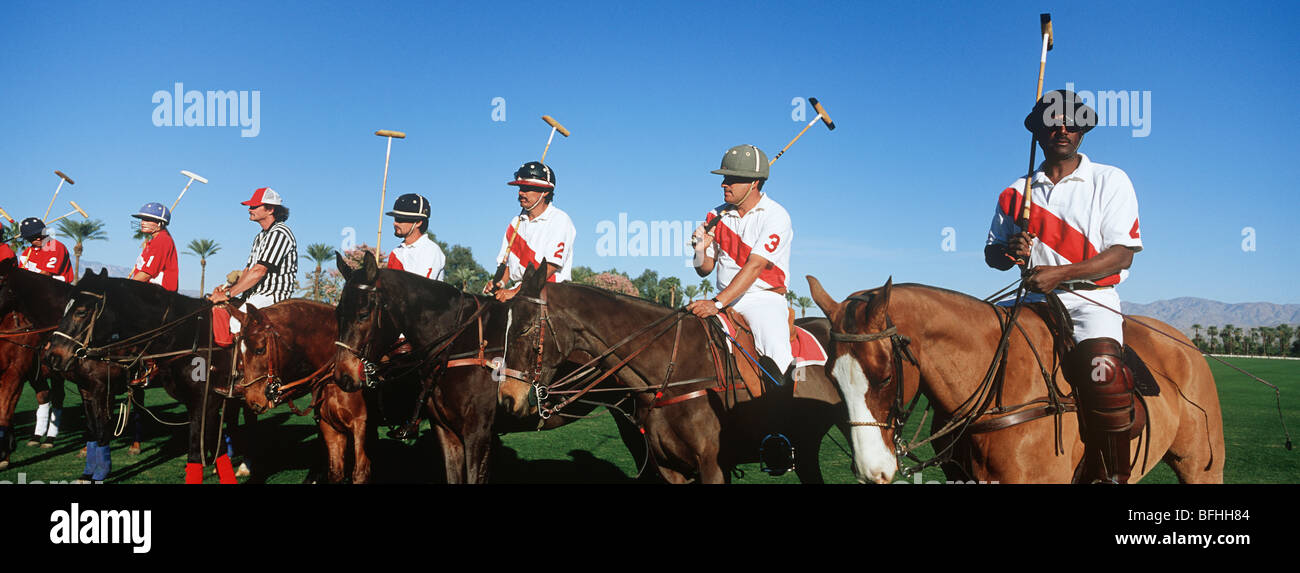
{"points": [[590, 451]]}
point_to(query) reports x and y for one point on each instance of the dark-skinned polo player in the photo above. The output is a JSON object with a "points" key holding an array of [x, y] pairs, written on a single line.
{"points": [[1080, 241], [541, 234], [750, 249]]}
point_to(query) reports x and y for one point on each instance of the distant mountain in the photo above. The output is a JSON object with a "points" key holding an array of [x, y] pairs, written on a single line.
{"points": [[1183, 312], [125, 272]]}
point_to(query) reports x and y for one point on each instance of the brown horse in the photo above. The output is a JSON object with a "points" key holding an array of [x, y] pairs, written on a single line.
{"points": [[940, 343], [288, 349], [696, 424], [30, 306]]}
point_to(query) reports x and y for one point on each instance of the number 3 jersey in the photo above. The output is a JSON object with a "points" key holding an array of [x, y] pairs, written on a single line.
{"points": [[548, 236], [765, 230]]}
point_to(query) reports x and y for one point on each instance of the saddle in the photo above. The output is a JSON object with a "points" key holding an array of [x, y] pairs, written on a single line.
{"points": [[1062, 329], [807, 350]]}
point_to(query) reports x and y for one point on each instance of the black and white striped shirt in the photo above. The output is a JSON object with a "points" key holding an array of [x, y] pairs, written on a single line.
{"points": [[277, 250]]}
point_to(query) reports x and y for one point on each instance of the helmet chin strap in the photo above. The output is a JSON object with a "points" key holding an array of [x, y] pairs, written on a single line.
{"points": [[529, 210]]}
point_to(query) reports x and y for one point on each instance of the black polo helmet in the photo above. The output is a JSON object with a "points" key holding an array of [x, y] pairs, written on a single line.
{"points": [[31, 228], [534, 174], [410, 207], [1059, 106]]}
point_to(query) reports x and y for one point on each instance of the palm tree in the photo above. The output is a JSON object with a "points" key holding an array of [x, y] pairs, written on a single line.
{"points": [[462, 276], [671, 286], [80, 232], [1227, 334], [1196, 339], [319, 252], [1284, 332], [706, 287], [690, 291], [1213, 333], [790, 298], [202, 248], [804, 303]]}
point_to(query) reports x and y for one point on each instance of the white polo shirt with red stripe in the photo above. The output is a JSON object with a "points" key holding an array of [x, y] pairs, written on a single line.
{"points": [[422, 257], [1088, 211], [766, 230], [548, 236]]}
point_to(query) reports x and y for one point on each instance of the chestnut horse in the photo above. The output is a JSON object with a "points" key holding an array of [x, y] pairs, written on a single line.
{"points": [[287, 349], [30, 306], [696, 424], [109, 329], [940, 343]]}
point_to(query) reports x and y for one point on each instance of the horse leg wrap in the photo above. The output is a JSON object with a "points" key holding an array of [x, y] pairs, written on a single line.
{"points": [[193, 473], [42, 419], [1104, 388], [56, 418], [225, 472], [99, 461]]}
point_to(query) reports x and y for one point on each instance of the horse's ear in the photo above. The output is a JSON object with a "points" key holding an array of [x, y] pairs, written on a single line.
{"points": [[254, 315], [371, 267], [103, 272], [880, 303], [821, 297], [237, 314], [533, 281], [86, 274], [344, 269]]}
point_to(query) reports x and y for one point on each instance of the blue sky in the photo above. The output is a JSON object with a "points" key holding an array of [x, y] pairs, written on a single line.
{"points": [[927, 99]]}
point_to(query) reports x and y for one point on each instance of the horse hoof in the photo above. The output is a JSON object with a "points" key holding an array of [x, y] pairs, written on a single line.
{"points": [[134, 450], [243, 471], [47, 445], [4, 464], [34, 442], [82, 453]]}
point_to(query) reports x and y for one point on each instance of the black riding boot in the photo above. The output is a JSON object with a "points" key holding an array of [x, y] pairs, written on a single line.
{"points": [[776, 453]]}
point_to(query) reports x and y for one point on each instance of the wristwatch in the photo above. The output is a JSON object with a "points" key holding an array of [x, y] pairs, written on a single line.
{"points": [[717, 303]]}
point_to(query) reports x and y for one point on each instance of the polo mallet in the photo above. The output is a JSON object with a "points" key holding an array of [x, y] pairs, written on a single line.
{"points": [[555, 126], [75, 209], [1045, 24], [383, 189], [193, 177], [62, 178], [821, 115], [5, 214]]}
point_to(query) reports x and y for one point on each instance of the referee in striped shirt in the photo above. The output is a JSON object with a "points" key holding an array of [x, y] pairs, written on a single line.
{"points": [[272, 270]]}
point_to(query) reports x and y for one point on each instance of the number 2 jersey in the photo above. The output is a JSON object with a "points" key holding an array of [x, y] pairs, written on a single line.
{"points": [[548, 236], [764, 230], [50, 259]]}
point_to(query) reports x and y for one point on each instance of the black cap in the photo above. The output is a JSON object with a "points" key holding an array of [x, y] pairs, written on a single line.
{"points": [[534, 174], [1057, 106], [410, 207], [31, 228]]}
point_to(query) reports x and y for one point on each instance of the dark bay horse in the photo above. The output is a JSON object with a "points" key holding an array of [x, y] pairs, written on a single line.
{"points": [[114, 330], [952, 339], [692, 430], [29, 304], [287, 349], [454, 338]]}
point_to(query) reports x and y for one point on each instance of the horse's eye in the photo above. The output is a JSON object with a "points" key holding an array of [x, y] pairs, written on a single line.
{"points": [[259, 351]]}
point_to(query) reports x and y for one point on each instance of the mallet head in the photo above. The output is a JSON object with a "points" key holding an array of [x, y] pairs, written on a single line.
{"points": [[390, 133], [551, 122], [1045, 22], [193, 176], [5, 214], [64, 177], [79, 209], [821, 111]]}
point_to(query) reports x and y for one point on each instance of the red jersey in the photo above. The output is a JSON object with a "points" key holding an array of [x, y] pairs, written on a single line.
{"points": [[51, 259], [160, 261], [6, 252]]}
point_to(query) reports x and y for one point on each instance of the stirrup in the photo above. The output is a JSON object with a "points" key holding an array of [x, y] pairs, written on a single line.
{"points": [[776, 455], [407, 431]]}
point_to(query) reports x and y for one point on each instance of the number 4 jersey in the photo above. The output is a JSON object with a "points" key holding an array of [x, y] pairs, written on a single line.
{"points": [[765, 230], [548, 236]]}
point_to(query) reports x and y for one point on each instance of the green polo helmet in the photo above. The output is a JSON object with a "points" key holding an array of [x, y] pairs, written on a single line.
{"points": [[744, 161]]}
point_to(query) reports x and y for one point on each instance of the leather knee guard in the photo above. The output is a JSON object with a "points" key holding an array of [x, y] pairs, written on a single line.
{"points": [[1103, 384]]}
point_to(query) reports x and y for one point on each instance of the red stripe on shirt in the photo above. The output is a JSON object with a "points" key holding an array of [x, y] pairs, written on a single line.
{"points": [[1053, 231], [735, 248]]}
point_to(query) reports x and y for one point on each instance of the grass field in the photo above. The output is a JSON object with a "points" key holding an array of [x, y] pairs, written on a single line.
{"points": [[590, 451]]}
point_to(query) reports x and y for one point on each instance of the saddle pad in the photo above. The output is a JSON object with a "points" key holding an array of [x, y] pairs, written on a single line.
{"points": [[221, 327], [1142, 378], [806, 348]]}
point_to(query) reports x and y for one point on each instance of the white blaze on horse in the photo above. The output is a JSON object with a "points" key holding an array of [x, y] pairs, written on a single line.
{"points": [[1009, 419]]}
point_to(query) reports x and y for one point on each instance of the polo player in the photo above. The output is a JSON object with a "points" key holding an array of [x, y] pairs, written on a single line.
{"points": [[46, 256], [1079, 242], [418, 253], [270, 275], [542, 234], [750, 248], [157, 263]]}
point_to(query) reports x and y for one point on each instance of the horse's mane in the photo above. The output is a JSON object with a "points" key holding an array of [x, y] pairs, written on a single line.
{"points": [[147, 301], [637, 301]]}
